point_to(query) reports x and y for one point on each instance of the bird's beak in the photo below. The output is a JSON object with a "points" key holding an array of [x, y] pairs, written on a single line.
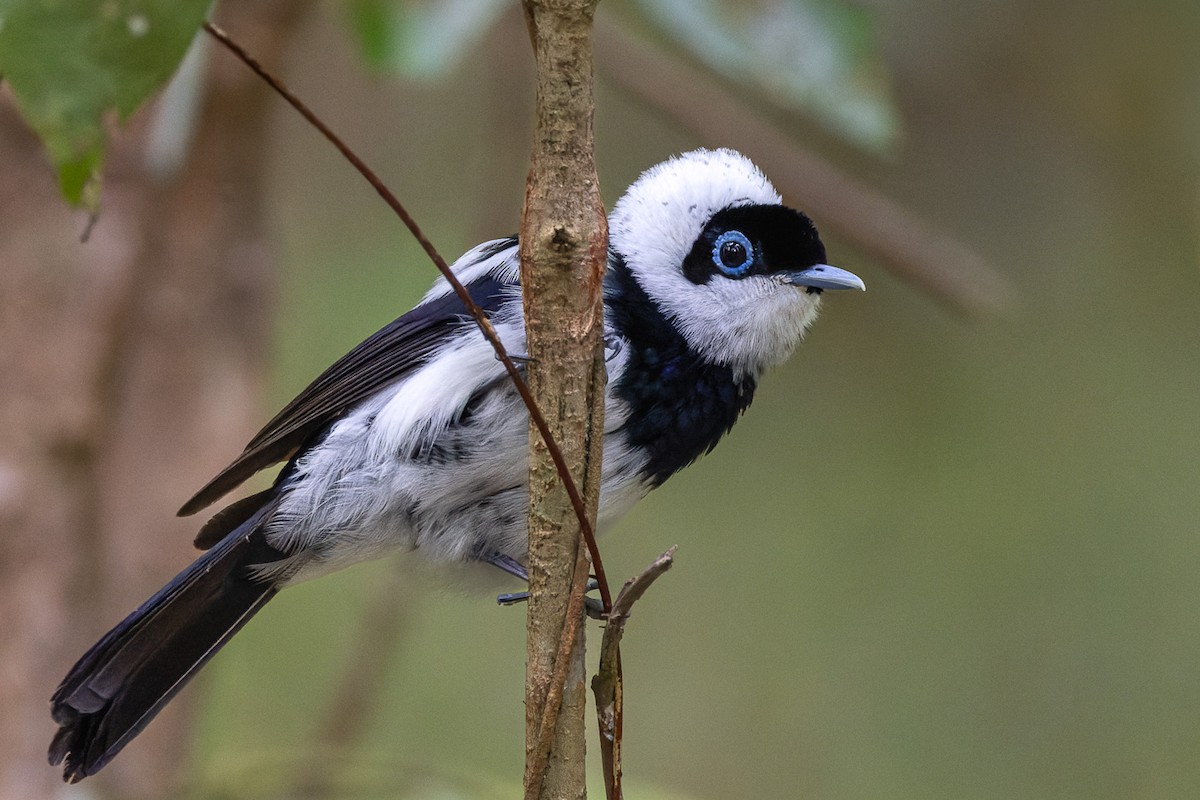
{"points": [[823, 276]]}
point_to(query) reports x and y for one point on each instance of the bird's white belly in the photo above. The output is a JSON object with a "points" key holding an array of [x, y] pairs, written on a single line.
{"points": [[455, 494]]}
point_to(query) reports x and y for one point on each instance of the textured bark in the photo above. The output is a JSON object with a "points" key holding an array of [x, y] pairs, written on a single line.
{"points": [[132, 370], [563, 245]]}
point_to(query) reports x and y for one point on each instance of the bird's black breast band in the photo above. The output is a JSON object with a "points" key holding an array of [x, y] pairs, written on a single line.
{"points": [[680, 405]]}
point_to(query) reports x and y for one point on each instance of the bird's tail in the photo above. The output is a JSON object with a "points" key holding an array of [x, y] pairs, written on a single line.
{"points": [[126, 678]]}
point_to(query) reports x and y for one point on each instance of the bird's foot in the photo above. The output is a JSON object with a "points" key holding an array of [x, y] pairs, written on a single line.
{"points": [[592, 605]]}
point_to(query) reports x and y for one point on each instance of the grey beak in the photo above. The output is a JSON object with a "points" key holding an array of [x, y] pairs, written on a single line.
{"points": [[823, 276]]}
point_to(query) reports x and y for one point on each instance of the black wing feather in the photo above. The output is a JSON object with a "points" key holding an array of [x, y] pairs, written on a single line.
{"points": [[384, 357]]}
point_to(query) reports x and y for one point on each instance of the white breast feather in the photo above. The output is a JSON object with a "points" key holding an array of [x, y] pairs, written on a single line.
{"points": [[435, 395]]}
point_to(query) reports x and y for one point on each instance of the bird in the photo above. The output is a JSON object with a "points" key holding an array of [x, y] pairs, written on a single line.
{"points": [[416, 440]]}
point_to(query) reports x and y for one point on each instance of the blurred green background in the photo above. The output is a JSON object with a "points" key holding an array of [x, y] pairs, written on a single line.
{"points": [[939, 558]]}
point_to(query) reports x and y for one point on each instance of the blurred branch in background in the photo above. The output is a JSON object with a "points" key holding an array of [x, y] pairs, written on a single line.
{"points": [[137, 363], [933, 261], [820, 58], [360, 682]]}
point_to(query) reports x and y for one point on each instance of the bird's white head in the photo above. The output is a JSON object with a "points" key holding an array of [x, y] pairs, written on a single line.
{"points": [[736, 272]]}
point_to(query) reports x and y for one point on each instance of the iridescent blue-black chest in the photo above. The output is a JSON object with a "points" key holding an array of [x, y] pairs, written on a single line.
{"points": [[680, 404]]}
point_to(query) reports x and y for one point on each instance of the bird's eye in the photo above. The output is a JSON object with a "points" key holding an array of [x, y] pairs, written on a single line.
{"points": [[732, 253]]}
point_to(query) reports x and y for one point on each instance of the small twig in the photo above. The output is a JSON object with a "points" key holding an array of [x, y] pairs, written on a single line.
{"points": [[477, 313], [607, 684], [92, 218]]}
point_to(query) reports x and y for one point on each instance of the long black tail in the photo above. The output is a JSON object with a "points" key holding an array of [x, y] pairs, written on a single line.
{"points": [[118, 686]]}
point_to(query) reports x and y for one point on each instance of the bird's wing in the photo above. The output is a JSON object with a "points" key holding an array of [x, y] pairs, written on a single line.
{"points": [[386, 356]]}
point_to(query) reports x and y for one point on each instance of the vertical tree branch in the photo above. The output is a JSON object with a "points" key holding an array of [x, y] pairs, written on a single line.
{"points": [[563, 253]]}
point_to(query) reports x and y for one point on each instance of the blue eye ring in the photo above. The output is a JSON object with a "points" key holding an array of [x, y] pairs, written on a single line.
{"points": [[733, 253]]}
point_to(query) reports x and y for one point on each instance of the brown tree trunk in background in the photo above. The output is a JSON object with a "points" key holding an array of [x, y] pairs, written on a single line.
{"points": [[131, 368]]}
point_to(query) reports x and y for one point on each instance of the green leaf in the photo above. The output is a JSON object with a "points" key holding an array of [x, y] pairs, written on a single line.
{"points": [[816, 55], [421, 38], [72, 64]]}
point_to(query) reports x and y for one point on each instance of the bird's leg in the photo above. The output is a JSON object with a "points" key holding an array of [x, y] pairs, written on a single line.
{"points": [[595, 609]]}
